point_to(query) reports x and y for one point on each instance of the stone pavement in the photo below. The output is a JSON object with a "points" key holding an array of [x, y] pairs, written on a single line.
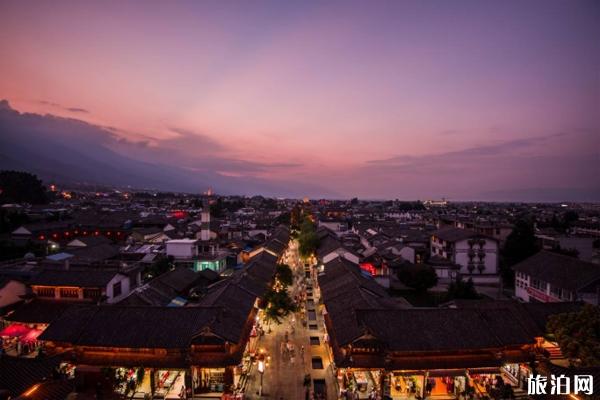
{"points": [[284, 376]]}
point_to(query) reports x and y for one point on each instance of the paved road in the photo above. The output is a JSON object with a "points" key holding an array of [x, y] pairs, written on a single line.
{"points": [[284, 376]]}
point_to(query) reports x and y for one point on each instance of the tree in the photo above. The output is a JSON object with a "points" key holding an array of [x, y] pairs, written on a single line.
{"points": [[10, 250], [308, 239], [462, 290], [419, 277], [284, 275], [160, 267], [520, 244], [578, 335], [10, 220], [21, 187], [283, 219], [279, 304]]}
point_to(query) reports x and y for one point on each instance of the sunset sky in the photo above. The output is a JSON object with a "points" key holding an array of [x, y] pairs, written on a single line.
{"points": [[399, 99]]}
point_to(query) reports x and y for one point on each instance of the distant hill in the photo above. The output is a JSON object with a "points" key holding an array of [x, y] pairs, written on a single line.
{"points": [[73, 151]]}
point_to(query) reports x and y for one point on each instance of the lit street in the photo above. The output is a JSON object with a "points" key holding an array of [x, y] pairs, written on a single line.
{"points": [[284, 375]]}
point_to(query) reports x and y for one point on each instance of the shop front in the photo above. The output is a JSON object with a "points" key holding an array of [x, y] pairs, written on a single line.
{"points": [[133, 382], [211, 380], [357, 383], [445, 383], [20, 340], [403, 384], [516, 374], [494, 382]]}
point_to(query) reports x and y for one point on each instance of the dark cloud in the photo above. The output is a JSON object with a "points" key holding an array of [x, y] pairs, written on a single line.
{"points": [[69, 109], [77, 110], [71, 150], [489, 150], [198, 152], [560, 165], [187, 139]]}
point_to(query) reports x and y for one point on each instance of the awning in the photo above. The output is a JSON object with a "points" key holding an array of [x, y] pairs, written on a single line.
{"points": [[15, 330], [31, 336]]}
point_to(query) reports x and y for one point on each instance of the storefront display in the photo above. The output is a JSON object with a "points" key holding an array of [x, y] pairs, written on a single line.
{"points": [[208, 380], [361, 384]]}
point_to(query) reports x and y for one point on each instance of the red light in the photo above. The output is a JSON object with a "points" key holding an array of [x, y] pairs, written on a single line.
{"points": [[370, 268], [118, 233], [178, 214], [96, 233], [55, 235], [108, 233], [42, 237], [76, 232], [67, 233], [84, 233]]}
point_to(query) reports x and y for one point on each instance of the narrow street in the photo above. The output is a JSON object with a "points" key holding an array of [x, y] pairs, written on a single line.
{"points": [[283, 378]]}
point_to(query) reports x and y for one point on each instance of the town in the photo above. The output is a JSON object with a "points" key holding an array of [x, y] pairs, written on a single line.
{"points": [[118, 293]]}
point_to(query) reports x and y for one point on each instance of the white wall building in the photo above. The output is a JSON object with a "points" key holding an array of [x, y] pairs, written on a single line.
{"points": [[182, 248], [550, 277], [476, 254]]}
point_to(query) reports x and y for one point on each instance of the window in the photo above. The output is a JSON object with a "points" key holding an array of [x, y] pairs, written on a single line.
{"points": [[91, 293], [538, 284], [71, 293], [46, 292], [117, 289]]}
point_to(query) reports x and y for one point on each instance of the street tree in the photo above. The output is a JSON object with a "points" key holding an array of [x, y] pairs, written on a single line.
{"points": [[279, 304], [284, 275], [308, 239]]}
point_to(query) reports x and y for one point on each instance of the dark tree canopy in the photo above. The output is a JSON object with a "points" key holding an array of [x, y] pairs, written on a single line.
{"points": [[21, 187], [462, 290], [418, 277], [9, 220], [159, 267], [308, 239], [284, 274], [520, 244], [279, 305], [578, 334]]}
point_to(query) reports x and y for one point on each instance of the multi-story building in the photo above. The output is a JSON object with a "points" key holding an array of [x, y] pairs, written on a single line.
{"points": [[476, 254], [551, 277]]}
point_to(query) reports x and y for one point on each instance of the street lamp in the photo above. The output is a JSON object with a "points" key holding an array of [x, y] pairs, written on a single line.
{"points": [[261, 370]]}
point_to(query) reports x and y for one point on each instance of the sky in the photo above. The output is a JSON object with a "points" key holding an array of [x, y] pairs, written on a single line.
{"points": [[375, 99]]}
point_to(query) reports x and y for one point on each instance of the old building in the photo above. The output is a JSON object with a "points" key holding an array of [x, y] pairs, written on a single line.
{"points": [[551, 277]]}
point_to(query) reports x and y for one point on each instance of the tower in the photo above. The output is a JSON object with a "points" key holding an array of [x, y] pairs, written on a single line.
{"points": [[205, 222]]}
